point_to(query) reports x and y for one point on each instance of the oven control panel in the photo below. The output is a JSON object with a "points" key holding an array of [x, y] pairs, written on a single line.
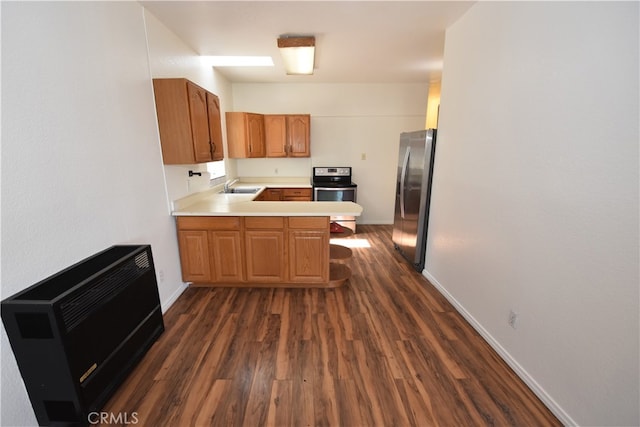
{"points": [[326, 171]]}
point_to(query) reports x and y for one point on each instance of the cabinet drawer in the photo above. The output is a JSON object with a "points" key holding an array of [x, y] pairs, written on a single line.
{"points": [[264, 222], [271, 194], [296, 199], [309, 222], [296, 192], [208, 223]]}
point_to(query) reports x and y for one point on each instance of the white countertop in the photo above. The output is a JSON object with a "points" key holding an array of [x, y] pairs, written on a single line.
{"points": [[213, 203]]}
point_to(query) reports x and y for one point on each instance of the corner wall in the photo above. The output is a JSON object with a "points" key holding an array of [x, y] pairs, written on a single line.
{"points": [[535, 200], [81, 161]]}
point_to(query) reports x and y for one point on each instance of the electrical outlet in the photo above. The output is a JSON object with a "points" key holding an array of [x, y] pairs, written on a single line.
{"points": [[363, 156], [161, 275], [513, 319]]}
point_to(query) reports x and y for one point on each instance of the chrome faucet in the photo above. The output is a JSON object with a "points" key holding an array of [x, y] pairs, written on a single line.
{"points": [[228, 184]]}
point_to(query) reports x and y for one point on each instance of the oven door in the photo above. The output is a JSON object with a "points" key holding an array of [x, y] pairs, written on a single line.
{"points": [[334, 194]]}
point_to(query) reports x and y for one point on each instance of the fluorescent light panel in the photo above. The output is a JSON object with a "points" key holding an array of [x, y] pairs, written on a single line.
{"points": [[238, 61], [298, 54]]}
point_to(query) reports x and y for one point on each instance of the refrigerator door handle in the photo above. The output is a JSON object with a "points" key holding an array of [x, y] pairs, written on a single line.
{"points": [[403, 180]]}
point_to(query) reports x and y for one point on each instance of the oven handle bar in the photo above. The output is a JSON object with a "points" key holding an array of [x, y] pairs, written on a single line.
{"points": [[335, 188]]}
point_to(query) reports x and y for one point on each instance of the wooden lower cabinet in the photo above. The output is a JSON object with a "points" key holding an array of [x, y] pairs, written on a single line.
{"points": [[296, 194], [285, 195], [249, 251], [265, 256], [308, 249], [306, 262], [270, 195], [226, 254], [194, 256]]}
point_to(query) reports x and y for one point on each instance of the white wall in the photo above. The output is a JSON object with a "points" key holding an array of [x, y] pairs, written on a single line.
{"points": [[347, 120], [170, 57], [81, 160], [535, 200]]}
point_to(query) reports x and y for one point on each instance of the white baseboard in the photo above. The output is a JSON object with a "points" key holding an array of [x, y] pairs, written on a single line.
{"points": [[504, 354], [168, 303]]}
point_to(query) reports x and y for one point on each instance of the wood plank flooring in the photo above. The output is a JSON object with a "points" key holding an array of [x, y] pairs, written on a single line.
{"points": [[384, 350]]}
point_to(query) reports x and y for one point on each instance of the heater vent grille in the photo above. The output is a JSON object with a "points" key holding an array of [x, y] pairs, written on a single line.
{"points": [[77, 308]]}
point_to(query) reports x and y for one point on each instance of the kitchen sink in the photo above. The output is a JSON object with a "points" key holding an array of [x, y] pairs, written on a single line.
{"points": [[245, 190]]}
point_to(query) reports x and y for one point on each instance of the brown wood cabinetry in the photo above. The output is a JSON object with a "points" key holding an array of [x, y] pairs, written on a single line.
{"points": [[194, 256], [188, 122], [285, 195], [270, 195], [308, 249], [296, 194], [298, 135], [210, 249], [226, 254], [265, 250], [245, 135], [254, 251], [287, 135], [275, 135], [215, 127]]}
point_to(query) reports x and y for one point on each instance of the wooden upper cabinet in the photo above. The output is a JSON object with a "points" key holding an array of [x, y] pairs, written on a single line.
{"points": [[275, 135], [245, 135], [287, 135], [298, 139], [188, 121], [215, 127]]}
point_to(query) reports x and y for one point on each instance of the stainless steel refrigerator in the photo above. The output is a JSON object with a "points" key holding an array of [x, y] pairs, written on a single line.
{"points": [[413, 192]]}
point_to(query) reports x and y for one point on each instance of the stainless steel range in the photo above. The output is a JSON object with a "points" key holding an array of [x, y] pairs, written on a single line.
{"points": [[333, 184]]}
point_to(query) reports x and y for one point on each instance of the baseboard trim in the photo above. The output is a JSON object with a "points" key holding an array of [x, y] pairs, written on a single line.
{"points": [[504, 354], [165, 305]]}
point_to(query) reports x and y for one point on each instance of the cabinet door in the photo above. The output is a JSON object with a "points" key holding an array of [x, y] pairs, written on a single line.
{"points": [[215, 127], [194, 256], [270, 195], [298, 135], [199, 123], [308, 256], [226, 249], [174, 123], [275, 135], [255, 133], [265, 255], [297, 194], [245, 135]]}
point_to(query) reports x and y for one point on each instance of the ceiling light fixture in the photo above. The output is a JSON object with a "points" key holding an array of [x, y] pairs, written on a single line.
{"points": [[297, 53]]}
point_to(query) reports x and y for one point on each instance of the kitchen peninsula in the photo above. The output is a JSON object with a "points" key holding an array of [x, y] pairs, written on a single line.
{"points": [[233, 239]]}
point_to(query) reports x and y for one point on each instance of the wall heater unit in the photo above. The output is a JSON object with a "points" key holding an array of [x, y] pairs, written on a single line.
{"points": [[77, 334]]}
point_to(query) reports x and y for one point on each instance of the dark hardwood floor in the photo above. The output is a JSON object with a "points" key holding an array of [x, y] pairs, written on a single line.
{"points": [[384, 350]]}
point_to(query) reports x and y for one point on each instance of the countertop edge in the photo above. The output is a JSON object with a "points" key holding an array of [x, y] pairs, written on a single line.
{"points": [[210, 202]]}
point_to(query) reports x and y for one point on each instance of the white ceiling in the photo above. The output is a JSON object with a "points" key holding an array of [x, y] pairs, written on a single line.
{"points": [[356, 41]]}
